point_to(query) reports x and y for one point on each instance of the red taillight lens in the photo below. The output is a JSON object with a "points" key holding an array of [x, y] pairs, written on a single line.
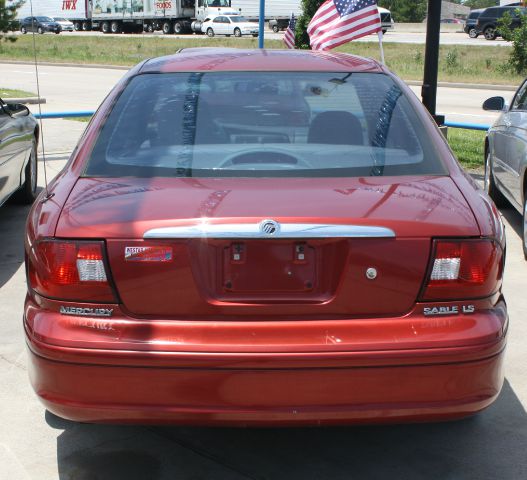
{"points": [[464, 269], [70, 270]]}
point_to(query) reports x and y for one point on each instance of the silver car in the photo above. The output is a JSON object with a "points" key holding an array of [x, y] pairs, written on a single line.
{"points": [[506, 154], [18, 153]]}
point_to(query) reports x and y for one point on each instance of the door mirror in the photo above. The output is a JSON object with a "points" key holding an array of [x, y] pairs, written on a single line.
{"points": [[495, 104], [17, 110]]}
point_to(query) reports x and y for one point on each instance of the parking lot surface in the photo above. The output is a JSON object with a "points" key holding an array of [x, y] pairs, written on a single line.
{"points": [[35, 444]]}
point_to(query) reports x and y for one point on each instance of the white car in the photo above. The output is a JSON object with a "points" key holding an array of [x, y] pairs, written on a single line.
{"points": [[229, 25], [65, 24]]}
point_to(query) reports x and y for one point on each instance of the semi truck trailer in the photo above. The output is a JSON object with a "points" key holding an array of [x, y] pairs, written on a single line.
{"points": [[170, 16], [115, 16]]}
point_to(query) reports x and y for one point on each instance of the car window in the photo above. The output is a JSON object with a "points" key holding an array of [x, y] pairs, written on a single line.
{"points": [[263, 124], [520, 99]]}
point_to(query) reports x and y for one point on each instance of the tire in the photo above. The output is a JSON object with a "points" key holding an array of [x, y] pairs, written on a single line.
{"points": [[525, 226], [56, 33], [40, 30], [473, 33], [28, 192], [77, 26], [237, 32], [150, 28], [490, 186], [490, 33], [178, 28], [23, 30], [276, 29], [167, 28], [105, 27], [210, 32], [384, 30], [115, 27], [255, 35], [85, 26]]}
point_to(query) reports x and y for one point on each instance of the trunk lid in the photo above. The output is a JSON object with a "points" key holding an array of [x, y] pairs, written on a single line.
{"points": [[214, 277]]}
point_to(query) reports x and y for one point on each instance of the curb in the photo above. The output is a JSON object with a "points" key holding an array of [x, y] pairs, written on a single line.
{"points": [[25, 100], [76, 65], [472, 86]]}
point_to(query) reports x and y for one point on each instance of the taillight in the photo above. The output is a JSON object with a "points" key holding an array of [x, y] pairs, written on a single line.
{"points": [[70, 270], [464, 269]]}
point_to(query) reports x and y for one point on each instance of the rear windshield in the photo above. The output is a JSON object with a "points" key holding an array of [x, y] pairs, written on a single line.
{"points": [[263, 124]]}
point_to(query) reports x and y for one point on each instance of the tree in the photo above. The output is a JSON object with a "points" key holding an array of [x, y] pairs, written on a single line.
{"points": [[410, 11], [309, 8], [518, 37], [7, 18]]}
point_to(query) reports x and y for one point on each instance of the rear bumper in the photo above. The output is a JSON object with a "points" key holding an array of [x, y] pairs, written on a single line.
{"points": [[411, 368], [265, 397]]}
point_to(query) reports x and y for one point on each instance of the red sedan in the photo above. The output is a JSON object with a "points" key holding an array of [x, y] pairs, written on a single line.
{"points": [[253, 237]]}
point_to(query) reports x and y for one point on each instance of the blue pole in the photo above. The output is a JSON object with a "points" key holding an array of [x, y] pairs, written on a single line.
{"points": [[262, 24]]}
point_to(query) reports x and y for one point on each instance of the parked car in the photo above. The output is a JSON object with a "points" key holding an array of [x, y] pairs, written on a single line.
{"points": [[506, 154], [229, 25], [40, 25], [65, 24], [18, 153], [278, 24], [487, 22], [264, 237], [470, 25], [452, 20]]}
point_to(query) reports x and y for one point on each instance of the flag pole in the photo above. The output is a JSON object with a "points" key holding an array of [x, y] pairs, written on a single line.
{"points": [[380, 35], [261, 27]]}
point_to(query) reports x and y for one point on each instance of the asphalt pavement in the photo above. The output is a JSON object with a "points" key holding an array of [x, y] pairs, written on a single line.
{"points": [[78, 88]]}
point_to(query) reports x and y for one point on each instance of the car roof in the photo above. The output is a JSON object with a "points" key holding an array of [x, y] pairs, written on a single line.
{"points": [[235, 59]]}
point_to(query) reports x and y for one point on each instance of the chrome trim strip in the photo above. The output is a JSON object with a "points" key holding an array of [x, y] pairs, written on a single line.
{"points": [[286, 230]]}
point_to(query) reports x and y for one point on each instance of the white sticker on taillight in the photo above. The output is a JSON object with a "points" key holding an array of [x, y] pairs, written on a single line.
{"points": [[91, 270], [446, 269]]}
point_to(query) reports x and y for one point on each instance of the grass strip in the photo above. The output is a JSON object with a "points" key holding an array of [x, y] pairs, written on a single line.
{"points": [[6, 93], [457, 63], [468, 146]]}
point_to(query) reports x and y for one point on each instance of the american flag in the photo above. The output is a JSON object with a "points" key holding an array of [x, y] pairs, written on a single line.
{"points": [[340, 21], [289, 38]]}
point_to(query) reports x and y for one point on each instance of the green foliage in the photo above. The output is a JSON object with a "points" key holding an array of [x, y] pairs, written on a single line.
{"points": [[518, 37], [309, 8], [451, 60], [7, 18], [411, 11]]}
